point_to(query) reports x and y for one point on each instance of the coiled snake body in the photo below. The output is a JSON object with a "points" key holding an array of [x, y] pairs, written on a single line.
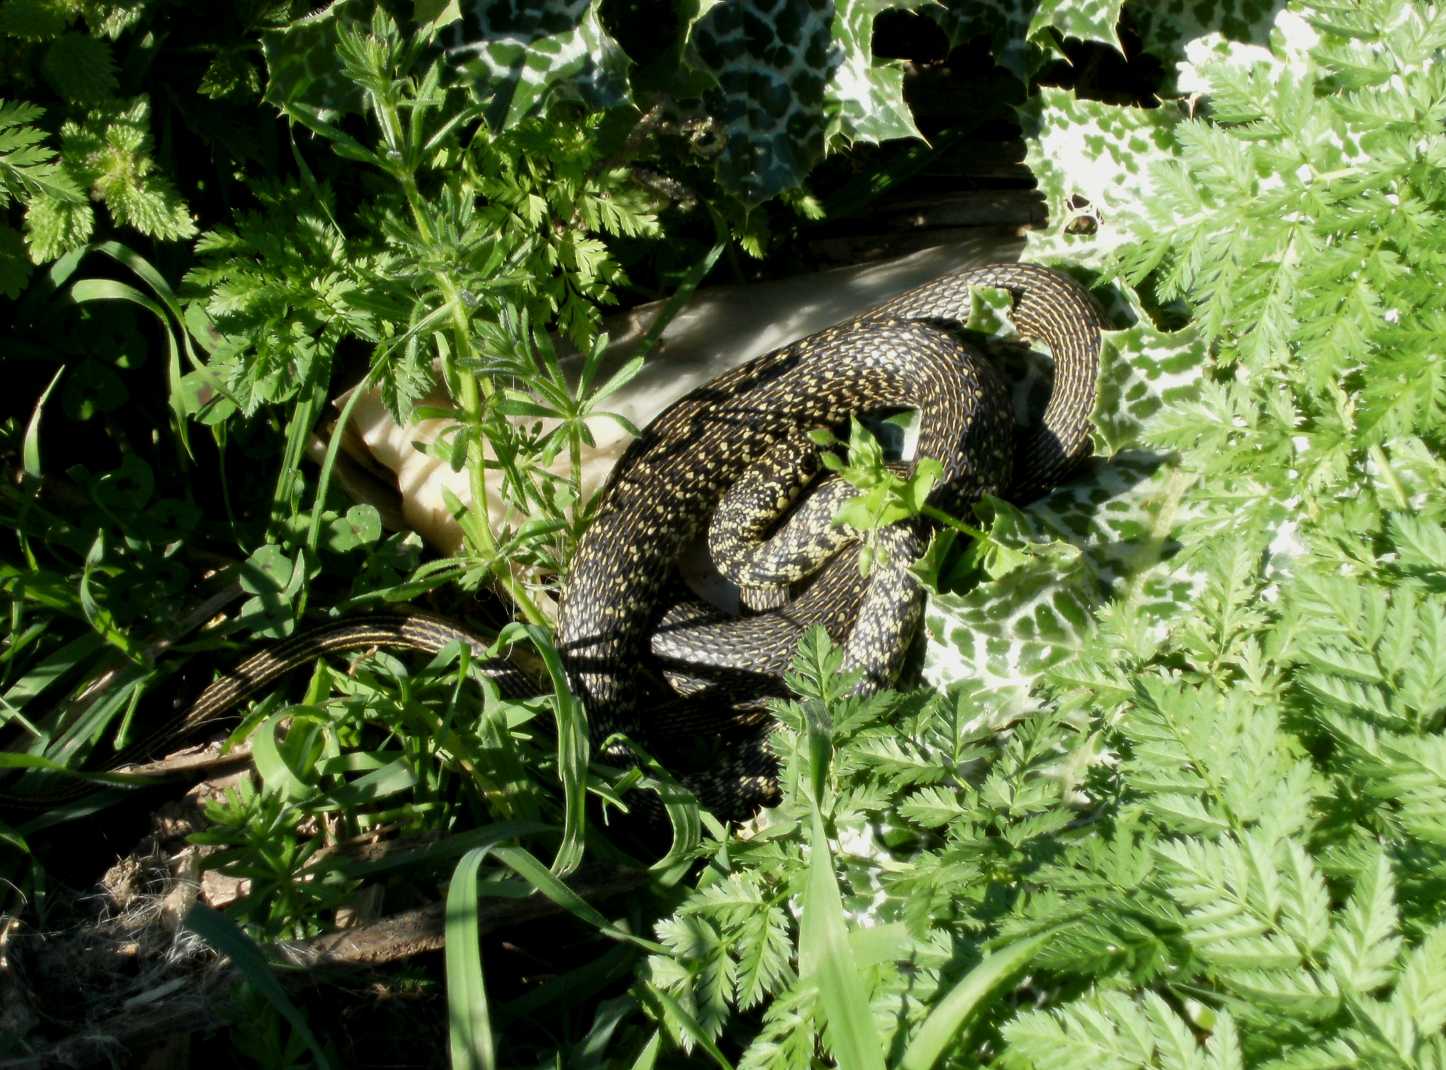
{"points": [[904, 353], [617, 625]]}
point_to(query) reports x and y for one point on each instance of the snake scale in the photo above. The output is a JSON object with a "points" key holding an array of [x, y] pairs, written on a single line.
{"points": [[621, 624]]}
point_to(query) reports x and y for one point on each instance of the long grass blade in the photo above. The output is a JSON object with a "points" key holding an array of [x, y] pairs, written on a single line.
{"points": [[470, 1027], [526, 865], [956, 1009], [825, 954], [226, 937], [30, 451]]}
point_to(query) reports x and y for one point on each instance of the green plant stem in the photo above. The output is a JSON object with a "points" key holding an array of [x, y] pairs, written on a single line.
{"points": [[941, 517], [1401, 500], [474, 394], [574, 457]]}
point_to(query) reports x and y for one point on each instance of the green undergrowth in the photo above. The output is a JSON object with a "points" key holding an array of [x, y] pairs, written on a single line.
{"points": [[1174, 792]]}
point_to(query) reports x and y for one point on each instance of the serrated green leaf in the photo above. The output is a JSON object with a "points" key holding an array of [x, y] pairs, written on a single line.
{"points": [[519, 52], [1420, 992], [54, 227], [303, 64], [1364, 941], [81, 68], [35, 20], [767, 67]]}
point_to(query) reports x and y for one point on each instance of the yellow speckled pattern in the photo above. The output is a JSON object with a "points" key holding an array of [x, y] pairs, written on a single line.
{"points": [[665, 487], [619, 628]]}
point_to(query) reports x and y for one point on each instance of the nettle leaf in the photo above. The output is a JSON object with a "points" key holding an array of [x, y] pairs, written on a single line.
{"points": [[231, 74], [110, 148], [111, 18], [81, 68], [870, 98], [35, 20], [1103, 532], [54, 226], [1093, 164], [1185, 36], [522, 51], [768, 65], [303, 65]]}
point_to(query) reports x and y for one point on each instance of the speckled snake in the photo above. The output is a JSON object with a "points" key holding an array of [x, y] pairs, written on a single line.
{"points": [[621, 626]]}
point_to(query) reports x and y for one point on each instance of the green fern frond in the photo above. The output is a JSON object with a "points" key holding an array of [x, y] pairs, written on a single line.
{"points": [[28, 168]]}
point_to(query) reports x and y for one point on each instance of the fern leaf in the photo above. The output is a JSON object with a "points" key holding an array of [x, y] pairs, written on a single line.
{"points": [[1365, 942], [28, 168], [1420, 543], [765, 949], [1305, 915], [1421, 990], [931, 807]]}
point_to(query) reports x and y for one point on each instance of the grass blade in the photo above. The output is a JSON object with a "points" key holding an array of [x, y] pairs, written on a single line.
{"points": [[954, 1011], [227, 938], [572, 757], [86, 290], [470, 1026], [525, 864], [30, 452], [825, 953], [648, 1057]]}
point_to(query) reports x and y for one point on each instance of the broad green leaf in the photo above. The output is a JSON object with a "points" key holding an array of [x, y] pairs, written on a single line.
{"points": [[303, 67], [519, 52]]}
